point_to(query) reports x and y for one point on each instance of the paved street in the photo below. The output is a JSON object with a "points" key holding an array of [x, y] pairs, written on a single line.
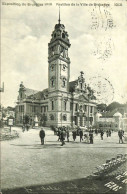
{"points": [[26, 162]]}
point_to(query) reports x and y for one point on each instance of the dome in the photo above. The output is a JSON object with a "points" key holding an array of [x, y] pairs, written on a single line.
{"points": [[98, 114], [117, 114]]}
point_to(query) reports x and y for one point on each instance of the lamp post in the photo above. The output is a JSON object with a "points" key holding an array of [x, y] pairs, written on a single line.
{"points": [[61, 109], [88, 112], [33, 110]]}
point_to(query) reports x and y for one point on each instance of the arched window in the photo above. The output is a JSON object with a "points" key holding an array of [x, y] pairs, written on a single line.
{"points": [[52, 83], [52, 117], [81, 85], [65, 105], [64, 117], [64, 83], [63, 35]]}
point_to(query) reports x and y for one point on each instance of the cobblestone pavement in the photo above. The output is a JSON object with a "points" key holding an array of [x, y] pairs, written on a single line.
{"points": [[25, 162]]}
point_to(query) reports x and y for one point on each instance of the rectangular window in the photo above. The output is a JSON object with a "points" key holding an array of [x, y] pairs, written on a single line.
{"points": [[85, 108], [91, 109], [52, 105], [33, 109], [76, 107], [71, 106], [65, 105]]}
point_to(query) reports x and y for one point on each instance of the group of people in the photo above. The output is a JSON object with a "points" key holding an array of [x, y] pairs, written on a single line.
{"points": [[64, 132], [25, 127]]}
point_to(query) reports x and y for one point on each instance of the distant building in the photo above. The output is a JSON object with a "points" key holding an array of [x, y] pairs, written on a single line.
{"points": [[63, 102], [112, 120]]}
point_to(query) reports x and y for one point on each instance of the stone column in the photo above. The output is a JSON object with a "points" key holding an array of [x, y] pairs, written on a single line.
{"points": [[78, 121], [83, 121]]}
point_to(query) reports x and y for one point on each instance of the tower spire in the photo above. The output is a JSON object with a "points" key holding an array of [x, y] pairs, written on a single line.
{"points": [[59, 15]]}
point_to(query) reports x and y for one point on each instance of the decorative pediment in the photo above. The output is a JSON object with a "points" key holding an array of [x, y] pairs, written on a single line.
{"points": [[83, 98]]}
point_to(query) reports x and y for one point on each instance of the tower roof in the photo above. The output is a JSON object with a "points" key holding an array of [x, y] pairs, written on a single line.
{"points": [[59, 32]]}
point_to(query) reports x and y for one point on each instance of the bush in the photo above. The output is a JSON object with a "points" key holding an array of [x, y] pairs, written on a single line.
{"points": [[1, 124]]}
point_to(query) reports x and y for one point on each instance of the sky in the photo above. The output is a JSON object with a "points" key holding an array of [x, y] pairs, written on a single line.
{"points": [[100, 52]]}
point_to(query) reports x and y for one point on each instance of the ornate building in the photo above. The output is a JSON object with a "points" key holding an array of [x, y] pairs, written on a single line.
{"points": [[62, 103]]}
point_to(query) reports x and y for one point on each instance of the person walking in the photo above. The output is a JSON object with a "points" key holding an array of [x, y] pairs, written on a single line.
{"points": [[121, 135], [67, 134], [91, 136], [109, 132], [74, 134], [81, 135], [102, 133], [59, 133], [63, 135], [42, 135]]}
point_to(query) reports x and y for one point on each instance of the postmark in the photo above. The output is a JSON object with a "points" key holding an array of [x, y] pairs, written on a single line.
{"points": [[104, 48], [101, 18], [103, 89]]}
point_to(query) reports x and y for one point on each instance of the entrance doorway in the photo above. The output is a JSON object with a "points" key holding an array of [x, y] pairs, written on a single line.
{"points": [[81, 122], [75, 120]]}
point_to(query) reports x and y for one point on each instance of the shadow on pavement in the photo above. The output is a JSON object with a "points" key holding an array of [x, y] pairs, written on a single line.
{"points": [[89, 185]]}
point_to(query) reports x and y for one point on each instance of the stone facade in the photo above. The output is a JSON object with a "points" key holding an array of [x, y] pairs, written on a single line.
{"points": [[62, 103]]}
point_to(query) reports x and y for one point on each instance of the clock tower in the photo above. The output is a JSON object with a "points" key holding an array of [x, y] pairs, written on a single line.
{"points": [[59, 62], [58, 74]]}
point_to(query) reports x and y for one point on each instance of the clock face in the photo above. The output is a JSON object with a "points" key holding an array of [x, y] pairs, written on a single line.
{"points": [[103, 89], [64, 70]]}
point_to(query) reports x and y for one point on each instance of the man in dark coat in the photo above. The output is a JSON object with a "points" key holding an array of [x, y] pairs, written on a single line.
{"points": [[74, 134], [42, 135], [121, 135], [63, 135], [91, 136], [81, 135], [102, 133]]}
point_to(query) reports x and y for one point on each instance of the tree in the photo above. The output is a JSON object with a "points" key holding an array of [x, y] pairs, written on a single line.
{"points": [[113, 106], [101, 107]]}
